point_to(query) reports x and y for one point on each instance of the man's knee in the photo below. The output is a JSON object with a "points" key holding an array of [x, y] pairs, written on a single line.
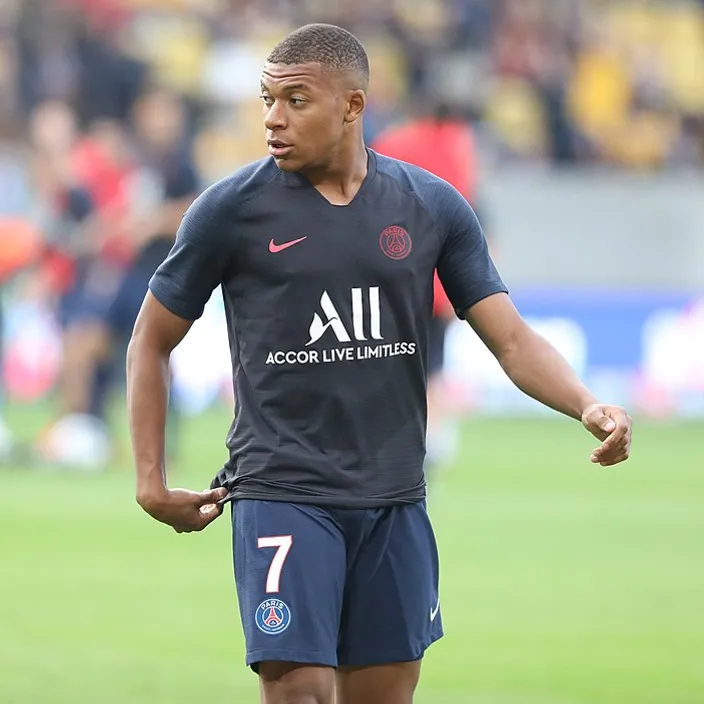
{"points": [[292, 683]]}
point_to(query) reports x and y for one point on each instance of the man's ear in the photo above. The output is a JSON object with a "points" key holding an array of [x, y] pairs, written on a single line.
{"points": [[356, 103]]}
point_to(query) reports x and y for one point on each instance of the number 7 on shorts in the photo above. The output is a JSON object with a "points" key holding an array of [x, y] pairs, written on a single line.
{"points": [[283, 544]]}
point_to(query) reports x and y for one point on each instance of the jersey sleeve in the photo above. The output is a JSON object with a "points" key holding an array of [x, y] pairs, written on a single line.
{"points": [[198, 261], [465, 267]]}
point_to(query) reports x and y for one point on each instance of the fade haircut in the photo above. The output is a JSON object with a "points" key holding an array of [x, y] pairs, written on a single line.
{"points": [[334, 48]]}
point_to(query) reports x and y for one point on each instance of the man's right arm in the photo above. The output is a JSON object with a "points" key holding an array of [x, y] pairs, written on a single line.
{"points": [[156, 334], [179, 290]]}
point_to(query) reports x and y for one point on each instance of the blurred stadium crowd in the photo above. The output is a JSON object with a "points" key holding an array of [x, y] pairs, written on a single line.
{"points": [[114, 114], [563, 80]]}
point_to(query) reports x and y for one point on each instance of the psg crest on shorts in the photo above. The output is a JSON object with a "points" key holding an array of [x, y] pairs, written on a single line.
{"points": [[395, 242], [273, 616]]}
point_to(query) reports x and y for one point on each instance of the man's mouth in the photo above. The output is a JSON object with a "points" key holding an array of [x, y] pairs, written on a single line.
{"points": [[278, 148]]}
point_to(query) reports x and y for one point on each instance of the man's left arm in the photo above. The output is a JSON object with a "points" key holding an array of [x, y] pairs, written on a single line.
{"points": [[479, 295], [542, 373]]}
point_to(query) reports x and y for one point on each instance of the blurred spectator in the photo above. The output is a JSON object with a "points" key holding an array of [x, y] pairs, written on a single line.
{"points": [[441, 143], [160, 185], [75, 271], [561, 82], [71, 50]]}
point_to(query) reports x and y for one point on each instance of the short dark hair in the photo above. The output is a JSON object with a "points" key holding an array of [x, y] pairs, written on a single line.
{"points": [[334, 48]]}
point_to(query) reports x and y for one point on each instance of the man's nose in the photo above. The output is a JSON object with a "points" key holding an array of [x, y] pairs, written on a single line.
{"points": [[275, 118]]}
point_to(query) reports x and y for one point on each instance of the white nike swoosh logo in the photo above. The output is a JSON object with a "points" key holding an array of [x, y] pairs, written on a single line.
{"points": [[434, 612]]}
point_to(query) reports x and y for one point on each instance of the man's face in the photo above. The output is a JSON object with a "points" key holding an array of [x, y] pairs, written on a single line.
{"points": [[306, 114], [159, 120]]}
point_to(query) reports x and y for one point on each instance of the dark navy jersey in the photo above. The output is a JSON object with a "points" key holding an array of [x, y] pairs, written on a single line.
{"points": [[328, 312]]}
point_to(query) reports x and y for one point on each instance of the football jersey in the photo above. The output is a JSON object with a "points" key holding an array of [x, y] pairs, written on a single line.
{"points": [[328, 310]]}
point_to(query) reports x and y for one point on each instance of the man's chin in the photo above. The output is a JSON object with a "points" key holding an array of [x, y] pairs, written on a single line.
{"points": [[287, 163]]}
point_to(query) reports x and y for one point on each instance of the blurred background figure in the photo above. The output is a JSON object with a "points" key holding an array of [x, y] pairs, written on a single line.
{"points": [[151, 180], [69, 279], [86, 208], [442, 143]]}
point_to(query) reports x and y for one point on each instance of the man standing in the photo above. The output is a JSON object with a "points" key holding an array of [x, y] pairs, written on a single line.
{"points": [[326, 252]]}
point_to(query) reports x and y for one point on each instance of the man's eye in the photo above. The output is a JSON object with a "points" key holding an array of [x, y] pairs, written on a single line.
{"points": [[268, 100]]}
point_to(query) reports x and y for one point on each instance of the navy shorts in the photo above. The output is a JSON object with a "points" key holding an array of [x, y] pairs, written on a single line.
{"points": [[91, 294], [123, 312], [334, 586]]}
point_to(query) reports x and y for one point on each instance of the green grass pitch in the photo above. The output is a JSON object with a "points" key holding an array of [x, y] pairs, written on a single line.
{"points": [[562, 583]]}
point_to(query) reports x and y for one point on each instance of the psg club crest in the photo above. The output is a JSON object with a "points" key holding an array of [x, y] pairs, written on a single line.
{"points": [[273, 617], [395, 242]]}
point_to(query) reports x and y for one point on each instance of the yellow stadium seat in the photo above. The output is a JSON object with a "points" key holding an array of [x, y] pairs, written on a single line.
{"points": [[517, 117], [600, 93], [682, 48]]}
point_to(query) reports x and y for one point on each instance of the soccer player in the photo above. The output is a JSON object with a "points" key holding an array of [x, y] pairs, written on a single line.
{"points": [[325, 252]]}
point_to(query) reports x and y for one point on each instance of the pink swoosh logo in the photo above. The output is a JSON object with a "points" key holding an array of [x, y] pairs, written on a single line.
{"points": [[274, 248]]}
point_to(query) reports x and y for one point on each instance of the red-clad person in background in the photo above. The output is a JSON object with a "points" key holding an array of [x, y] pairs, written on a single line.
{"points": [[445, 146]]}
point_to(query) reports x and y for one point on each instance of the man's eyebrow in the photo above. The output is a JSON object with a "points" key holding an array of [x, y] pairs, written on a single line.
{"points": [[289, 88]]}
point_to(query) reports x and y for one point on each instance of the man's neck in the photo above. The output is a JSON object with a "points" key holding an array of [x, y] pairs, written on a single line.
{"points": [[340, 180]]}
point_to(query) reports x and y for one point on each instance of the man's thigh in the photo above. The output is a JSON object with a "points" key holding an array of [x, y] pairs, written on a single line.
{"points": [[391, 609], [290, 574]]}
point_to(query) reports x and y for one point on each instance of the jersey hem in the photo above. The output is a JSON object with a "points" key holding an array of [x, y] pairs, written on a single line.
{"points": [[323, 501], [172, 304], [491, 291], [389, 657], [307, 657]]}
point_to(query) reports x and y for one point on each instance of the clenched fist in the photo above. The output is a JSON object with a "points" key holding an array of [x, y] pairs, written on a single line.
{"points": [[611, 425]]}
